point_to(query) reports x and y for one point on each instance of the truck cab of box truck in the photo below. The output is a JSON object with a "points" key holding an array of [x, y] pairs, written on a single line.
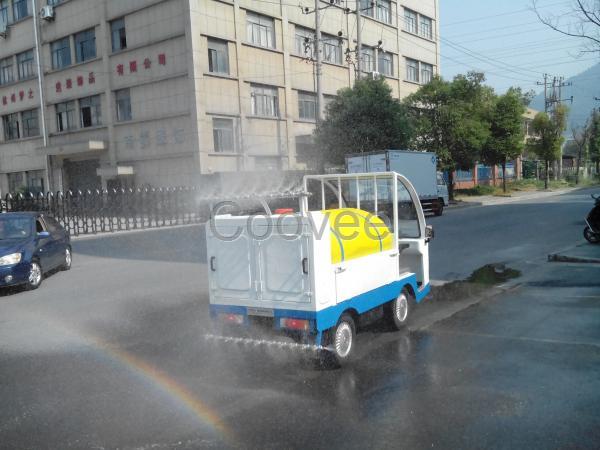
{"points": [[355, 247]]}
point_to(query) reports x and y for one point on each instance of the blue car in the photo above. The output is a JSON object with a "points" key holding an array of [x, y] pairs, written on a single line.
{"points": [[31, 244]]}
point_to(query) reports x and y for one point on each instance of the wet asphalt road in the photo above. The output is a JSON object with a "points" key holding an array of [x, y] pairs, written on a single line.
{"points": [[112, 355]]}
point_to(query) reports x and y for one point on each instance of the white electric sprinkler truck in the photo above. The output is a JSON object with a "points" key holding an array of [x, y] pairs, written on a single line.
{"points": [[354, 249]]}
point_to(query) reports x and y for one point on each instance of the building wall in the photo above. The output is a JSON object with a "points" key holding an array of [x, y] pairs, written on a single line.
{"points": [[176, 101]]}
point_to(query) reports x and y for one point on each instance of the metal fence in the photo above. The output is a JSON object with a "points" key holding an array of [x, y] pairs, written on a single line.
{"points": [[88, 212]]}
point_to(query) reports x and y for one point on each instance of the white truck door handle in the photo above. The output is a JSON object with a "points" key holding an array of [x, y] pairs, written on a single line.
{"points": [[339, 270], [393, 255]]}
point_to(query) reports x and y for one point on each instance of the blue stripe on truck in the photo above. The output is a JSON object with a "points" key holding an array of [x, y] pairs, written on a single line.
{"points": [[328, 317]]}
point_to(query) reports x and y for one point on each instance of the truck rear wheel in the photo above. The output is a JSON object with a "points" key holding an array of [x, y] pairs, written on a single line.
{"points": [[399, 311], [340, 342], [439, 208]]}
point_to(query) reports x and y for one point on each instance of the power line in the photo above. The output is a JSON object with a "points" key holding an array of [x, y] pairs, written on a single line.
{"points": [[491, 16]]}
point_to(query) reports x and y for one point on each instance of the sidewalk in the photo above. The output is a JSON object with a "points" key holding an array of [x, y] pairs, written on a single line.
{"points": [[517, 196]]}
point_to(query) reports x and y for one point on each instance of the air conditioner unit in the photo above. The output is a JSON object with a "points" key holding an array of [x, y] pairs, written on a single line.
{"points": [[3, 30], [47, 12], [374, 75]]}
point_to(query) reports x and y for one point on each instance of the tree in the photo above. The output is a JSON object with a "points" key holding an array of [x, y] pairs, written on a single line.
{"points": [[452, 119], [361, 119], [525, 97], [548, 137], [580, 138], [581, 20], [506, 132], [594, 140]]}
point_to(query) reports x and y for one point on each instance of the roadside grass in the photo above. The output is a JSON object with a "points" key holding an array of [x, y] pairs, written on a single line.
{"points": [[524, 186]]}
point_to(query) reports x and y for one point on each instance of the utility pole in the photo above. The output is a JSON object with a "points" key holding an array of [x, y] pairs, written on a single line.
{"points": [[545, 84], [40, 79], [319, 64], [358, 40]]}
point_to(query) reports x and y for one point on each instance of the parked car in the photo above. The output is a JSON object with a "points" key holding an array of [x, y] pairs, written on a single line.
{"points": [[31, 245]]}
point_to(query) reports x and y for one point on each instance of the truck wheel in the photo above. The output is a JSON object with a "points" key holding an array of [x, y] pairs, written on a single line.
{"points": [[399, 311], [440, 208], [340, 342]]}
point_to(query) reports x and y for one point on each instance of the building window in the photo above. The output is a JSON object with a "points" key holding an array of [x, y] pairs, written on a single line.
{"points": [[15, 181], [3, 12], [85, 45], [412, 70], [6, 70], [307, 106], [304, 39], [385, 63], [123, 101], [264, 101], [332, 49], [31, 124], [368, 59], [90, 111], [61, 53], [410, 21], [261, 30], [118, 35], [218, 56], [384, 11], [425, 27], [11, 127], [25, 65], [20, 9], [426, 73], [223, 135], [366, 8], [65, 116], [35, 181]]}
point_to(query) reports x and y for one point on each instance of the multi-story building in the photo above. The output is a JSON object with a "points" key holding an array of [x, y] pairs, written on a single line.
{"points": [[158, 92]]}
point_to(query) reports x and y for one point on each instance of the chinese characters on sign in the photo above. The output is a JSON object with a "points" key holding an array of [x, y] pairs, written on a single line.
{"points": [[162, 137], [80, 80], [146, 63], [20, 96]]}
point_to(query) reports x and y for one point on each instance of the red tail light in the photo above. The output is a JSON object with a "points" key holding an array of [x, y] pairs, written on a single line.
{"points": [[295, 324], [237, 319], [284, 210]]}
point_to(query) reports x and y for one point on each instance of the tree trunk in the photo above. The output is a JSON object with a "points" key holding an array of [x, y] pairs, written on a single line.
{"points": [[451, 184], [547, 174], [504, 176], [578, 165]]}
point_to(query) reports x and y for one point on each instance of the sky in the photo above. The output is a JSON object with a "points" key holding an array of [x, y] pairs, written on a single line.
{"points": [[505, 39]]}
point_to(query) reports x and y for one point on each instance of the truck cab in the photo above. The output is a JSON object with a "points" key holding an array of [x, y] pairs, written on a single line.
{"points": [[355, 246]]}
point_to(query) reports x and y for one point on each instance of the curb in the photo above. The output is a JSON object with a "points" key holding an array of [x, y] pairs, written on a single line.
{"points": [[555, 257]]}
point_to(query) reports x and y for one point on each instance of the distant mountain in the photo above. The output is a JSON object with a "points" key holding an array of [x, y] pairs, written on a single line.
{"points": [[585, 87]]}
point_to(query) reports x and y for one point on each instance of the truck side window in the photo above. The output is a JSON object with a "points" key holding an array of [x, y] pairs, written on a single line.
{"points": [[39, 226]]}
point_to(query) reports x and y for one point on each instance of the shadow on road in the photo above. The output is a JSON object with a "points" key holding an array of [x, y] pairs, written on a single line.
{"points": [[186, 244]]}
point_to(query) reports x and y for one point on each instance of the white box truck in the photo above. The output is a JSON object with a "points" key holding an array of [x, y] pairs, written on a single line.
{"points": [[316, 271], [419, 167]]}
